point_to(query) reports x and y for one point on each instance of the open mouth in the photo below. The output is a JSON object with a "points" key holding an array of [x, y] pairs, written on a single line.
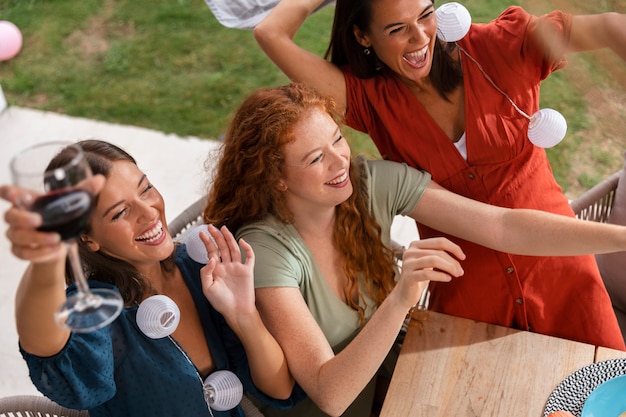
{"points": [[339, 179], [418, 58], [153, 234]]}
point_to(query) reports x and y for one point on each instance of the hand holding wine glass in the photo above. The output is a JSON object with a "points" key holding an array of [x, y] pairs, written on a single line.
{"points": [[62, 196]]}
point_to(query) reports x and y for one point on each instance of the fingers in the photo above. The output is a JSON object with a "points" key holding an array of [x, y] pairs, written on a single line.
{"points": [[20, 218], [17, 196], [247, 249], [437, 244], [434, 259], [93, 184], [224, 246], [436, 253]]}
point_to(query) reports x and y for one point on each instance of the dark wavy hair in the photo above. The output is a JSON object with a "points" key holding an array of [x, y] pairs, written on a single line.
{"points": [[246, 185], [345, 50], [98, 266]]}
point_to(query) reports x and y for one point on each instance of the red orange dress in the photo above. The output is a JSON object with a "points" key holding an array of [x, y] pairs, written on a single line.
{"points": [[559, 296]]}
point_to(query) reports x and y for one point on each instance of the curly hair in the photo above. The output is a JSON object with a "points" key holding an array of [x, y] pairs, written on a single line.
{"points": [[252, 159], [98, 266]]}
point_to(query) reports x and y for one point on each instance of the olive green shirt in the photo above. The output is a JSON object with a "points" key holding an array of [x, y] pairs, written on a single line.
{"points": [[282, 259]]}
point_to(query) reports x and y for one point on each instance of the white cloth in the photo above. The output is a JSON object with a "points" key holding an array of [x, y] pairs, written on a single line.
{"points": [[461, 145], [245, 14]]}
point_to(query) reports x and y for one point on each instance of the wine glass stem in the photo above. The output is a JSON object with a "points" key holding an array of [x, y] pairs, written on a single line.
{"points": [[77, 269]]}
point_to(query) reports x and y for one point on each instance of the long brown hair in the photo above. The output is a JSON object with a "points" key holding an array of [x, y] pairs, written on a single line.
{"points": [[246, 185], [100, 267], [344, 49]]}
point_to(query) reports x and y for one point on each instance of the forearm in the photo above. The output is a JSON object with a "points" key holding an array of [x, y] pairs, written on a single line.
{"points": [[517, 231], [529, 232], [268, 366], [276, 32], [606, 30], [344, 377], [39, 295], [287, 17]]}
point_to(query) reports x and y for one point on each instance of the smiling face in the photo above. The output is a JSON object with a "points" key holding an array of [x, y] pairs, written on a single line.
{"points": [[128, 222], [403, 35], [317, 164]]}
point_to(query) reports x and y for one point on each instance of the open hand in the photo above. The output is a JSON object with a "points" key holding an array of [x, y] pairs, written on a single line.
{"points": [[227, 279]]}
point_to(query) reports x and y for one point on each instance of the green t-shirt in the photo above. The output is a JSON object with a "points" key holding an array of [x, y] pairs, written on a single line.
{"points": [[283, 260]]}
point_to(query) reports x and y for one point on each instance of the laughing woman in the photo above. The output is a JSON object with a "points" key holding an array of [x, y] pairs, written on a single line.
{"points": [[118, 370]]}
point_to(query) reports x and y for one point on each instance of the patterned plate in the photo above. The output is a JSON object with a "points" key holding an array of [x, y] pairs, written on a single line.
{"points": [[571, 394]]}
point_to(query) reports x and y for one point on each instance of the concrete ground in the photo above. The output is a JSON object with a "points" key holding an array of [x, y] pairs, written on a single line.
{"points": [[174, 164]]}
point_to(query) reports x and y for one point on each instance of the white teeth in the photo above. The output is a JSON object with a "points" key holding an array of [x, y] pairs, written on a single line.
{"points": [[339, 180], [418, 54], [152, 234]]}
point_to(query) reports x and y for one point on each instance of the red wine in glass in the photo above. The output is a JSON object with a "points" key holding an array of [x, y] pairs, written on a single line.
{"points": [[64, 211], [65, 206]]}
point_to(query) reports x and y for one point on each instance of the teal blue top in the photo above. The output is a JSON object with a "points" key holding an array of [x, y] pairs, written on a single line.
{"points": [[118, 371]]}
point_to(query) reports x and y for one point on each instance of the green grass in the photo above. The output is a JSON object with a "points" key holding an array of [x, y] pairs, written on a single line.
{"points": [[169, 65]]}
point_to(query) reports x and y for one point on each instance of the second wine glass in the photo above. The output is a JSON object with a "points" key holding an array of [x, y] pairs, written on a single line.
{"points": [[65, 208]]}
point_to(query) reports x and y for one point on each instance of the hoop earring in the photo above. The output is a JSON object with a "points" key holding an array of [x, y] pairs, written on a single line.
{"points": [[367, 51]]}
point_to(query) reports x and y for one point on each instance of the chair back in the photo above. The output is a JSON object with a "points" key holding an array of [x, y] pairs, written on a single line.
{"points": [[606, 203], [35, 406]]}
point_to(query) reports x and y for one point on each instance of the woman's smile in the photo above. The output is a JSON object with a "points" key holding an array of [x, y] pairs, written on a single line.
{"points": [[417, 59], [154, 235], [339, 181]]}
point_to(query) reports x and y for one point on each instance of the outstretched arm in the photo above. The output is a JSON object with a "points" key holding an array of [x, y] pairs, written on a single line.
{"points": [[605, 30], [275, 36], [42, 288], [228, 283], [517, 231]]}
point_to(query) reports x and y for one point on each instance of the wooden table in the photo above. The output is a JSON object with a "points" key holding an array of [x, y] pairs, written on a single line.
{"points": [[455, 367]]}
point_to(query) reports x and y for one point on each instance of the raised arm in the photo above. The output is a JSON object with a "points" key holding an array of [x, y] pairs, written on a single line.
{"points": [[518, 231], [605, 30], [275, 36], [42, 288], [228, 283]]}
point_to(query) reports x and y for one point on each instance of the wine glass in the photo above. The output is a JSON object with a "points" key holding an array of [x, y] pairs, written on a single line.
{"points": [[65, 208]]}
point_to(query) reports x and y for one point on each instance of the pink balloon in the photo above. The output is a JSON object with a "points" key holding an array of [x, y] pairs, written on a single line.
{"points": [[10, 40]]}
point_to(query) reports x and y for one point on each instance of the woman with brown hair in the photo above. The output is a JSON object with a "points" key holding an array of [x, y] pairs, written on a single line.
{"points": [[126, 368], [327, 284]]}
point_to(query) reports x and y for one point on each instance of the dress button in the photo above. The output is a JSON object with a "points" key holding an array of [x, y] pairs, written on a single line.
{"points": [[519, 301], [471, 176], [510, 270]]}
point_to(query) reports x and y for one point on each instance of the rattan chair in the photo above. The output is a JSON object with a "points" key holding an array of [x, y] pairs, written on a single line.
{"points": [[40, 406], [186, 220], [596, 203], [35, 406]]}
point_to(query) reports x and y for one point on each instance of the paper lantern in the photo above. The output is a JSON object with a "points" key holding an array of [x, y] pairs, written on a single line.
{"points": [[453, 21], [158, 316], [547, 128], [10, 40], [223, 390]]}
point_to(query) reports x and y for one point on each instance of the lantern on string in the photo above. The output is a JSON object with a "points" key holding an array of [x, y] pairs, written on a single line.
{"points": [[223, 390], [158, 316], [453, 21], [546, 127], [10, 40]]}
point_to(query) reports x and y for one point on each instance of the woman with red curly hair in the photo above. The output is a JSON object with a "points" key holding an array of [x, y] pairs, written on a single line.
{"points": [[327, 284]]}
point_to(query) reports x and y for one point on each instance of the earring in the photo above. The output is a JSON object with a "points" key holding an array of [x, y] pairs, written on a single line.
{"points": [[367, 51]]}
